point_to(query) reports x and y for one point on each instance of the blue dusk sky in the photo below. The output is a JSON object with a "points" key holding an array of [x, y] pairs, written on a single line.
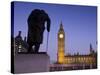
{"points": [[79, 23]]}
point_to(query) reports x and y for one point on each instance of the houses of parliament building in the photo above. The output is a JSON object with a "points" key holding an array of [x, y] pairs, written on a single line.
{"points": [[73, 59]]}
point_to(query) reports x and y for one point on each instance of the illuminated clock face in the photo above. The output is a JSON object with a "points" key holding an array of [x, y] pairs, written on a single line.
{"points": [[61, 35]]}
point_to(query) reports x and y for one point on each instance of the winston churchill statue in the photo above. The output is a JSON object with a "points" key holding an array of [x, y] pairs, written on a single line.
{"points": [[36, 26]]}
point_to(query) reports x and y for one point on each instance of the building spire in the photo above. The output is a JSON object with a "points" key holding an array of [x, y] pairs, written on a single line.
{"points": [[91, 47], [61, 44], [61, 26], [25, 39]]}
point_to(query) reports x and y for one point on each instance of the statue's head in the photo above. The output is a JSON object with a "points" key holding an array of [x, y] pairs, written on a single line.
{"points": [[19, 33], [42, 11], [36, 11]]}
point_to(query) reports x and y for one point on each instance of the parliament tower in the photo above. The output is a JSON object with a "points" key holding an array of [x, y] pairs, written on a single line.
{"points": [[61, 45]]}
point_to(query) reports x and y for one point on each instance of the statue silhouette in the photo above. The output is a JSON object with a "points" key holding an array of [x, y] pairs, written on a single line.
{"points": [[36, 27]]}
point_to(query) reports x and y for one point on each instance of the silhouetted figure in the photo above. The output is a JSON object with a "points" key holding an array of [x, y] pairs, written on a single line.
{"points": [[19, 35], [18, 38], [36, 27]]}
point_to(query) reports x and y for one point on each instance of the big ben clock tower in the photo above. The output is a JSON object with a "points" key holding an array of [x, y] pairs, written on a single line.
{"points": [[61, 45]]}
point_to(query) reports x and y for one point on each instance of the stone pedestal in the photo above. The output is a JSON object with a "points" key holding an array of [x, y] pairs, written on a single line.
{"points": [[30, 63]]}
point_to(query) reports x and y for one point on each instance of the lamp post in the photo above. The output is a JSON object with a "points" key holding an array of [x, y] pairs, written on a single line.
{"points": [[19, 48]]}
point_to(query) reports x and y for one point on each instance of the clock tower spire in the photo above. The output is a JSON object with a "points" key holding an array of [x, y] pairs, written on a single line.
{"points": [[61, 44]]}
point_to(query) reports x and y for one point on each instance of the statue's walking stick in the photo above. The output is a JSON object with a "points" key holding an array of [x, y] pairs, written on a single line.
{"points": [[47, 41]]}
